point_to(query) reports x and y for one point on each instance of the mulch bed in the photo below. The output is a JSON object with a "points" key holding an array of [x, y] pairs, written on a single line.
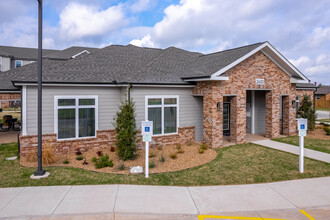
{"points": [[318, 133], [189, 158]]}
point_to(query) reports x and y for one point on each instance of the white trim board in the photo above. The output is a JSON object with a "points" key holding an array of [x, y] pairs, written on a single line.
{"points": [[24, 110]]}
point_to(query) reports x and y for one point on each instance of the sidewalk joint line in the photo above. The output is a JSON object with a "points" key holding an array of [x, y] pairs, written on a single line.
{"points": [[62, 200], [193, 201], [114, 205], [23, 189], [282, 196]]}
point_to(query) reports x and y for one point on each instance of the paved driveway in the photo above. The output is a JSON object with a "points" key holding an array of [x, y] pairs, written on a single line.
{"points": [[323, 114]]}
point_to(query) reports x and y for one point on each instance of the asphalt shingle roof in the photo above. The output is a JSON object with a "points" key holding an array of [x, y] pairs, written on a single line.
{"points": [[131, 64], [305, 85], [22, 52], [66, 54], [323, 90]]}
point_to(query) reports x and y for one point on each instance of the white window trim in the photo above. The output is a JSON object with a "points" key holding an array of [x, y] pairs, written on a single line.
{"points": [[0, 64], [21, 63], [76, 107], [162, 97]]}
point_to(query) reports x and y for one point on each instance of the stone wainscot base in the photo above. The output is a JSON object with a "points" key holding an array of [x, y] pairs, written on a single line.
{"points": [[104, 139]]}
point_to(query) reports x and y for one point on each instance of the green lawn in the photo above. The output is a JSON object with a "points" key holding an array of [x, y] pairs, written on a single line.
{"points": [[310, 143], [323, 109], [324, 120], [239, 164]]}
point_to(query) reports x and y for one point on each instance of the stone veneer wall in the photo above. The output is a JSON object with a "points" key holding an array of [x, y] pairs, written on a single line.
{"points": [[6, 97], [105, 139], [241, 78], [301, 93]]}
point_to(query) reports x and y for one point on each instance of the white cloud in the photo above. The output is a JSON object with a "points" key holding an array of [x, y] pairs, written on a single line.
{"points": [[78, 21], [141, 5], [144, 42]]}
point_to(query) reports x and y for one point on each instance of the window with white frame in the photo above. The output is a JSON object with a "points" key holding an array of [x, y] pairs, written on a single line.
{"points": [[164, 112], [18, 63], [76, 117]]}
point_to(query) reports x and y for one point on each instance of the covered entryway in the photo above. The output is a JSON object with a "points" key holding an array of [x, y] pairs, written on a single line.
{"points": [[256, 112]]}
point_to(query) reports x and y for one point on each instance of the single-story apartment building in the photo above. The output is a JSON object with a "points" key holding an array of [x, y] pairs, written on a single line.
{"points": [[187, 95]]}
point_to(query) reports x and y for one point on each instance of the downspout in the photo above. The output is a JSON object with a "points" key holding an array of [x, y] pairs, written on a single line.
{"points": [[129, 93]]}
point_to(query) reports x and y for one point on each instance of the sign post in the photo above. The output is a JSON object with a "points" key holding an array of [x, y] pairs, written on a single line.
{"points": [[302, 127], [147, 130]]}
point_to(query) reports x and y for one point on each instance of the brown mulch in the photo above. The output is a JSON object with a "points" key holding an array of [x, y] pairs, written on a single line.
{"points": [[318, 133], [190, 158]]}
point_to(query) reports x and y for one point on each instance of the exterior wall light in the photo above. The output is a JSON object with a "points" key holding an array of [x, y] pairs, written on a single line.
{"points": [[218, 107]]}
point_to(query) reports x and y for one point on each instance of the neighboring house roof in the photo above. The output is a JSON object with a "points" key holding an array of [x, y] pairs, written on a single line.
{"points": [[132, 64], [323, 90], [70, 52], [22, 53]]}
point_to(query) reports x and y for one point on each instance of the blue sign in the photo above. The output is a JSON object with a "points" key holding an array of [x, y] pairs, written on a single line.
{"points": [[302, 126], [147, 129]]}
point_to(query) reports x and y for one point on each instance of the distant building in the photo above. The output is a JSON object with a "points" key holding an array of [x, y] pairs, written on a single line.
{"points": [[322, 97]]}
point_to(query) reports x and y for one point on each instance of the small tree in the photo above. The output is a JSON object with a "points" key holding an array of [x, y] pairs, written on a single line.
{"points": [[126, 131], [307, 111]]}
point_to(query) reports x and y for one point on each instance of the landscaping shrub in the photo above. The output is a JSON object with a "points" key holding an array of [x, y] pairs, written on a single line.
{"points": [[151, 155], [173, 156], [85, 162], [162, 159], [159, 147], [65, 161], [189, 143], [78, 151], [121, 166], [80, 157], [152, 164], [48, 156], [307, 111], [204, 146], [200, 151], [178, 146], [103, 161], [126, 131], [99, 153], [181, 151], [94, 159], [327, 130]]}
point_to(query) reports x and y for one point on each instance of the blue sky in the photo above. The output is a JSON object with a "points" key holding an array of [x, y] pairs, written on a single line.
{"points": [[299, 29]]}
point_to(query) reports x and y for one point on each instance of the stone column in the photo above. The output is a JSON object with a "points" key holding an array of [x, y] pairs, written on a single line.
{"points": [[212, 118], [285, 116], [238, 118], [272, 115]]}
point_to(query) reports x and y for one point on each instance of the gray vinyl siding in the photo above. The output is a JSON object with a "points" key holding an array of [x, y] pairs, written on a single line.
{"points": [[5, 64], [108, 98], [190, 107], [260, 112]]}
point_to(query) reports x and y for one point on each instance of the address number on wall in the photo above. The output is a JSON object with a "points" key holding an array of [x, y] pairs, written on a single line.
{"points": [[260, 82]]}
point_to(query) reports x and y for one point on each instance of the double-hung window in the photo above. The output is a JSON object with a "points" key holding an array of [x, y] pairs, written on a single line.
{"points": [[164, 112], [18, 63], [76, 117]]}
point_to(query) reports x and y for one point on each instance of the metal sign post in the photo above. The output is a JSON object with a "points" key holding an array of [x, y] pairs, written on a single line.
{"points": [[147, 130], [302, 127]]}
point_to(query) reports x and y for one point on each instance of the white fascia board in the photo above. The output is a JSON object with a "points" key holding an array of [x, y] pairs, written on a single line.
{"points": [[212, 78], [78, 54], [72, 85], [295, 80], [221, 71]]}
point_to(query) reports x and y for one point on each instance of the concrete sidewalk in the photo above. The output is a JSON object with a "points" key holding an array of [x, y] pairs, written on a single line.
{"points": [[313, 154], [270, 200]]}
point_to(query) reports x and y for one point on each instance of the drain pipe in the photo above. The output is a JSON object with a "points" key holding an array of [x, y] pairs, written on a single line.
{"points": [[129, 93], [18, 143]]}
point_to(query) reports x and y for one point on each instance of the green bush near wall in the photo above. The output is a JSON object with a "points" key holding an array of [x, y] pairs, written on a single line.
{"points": [[126, 131]]}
